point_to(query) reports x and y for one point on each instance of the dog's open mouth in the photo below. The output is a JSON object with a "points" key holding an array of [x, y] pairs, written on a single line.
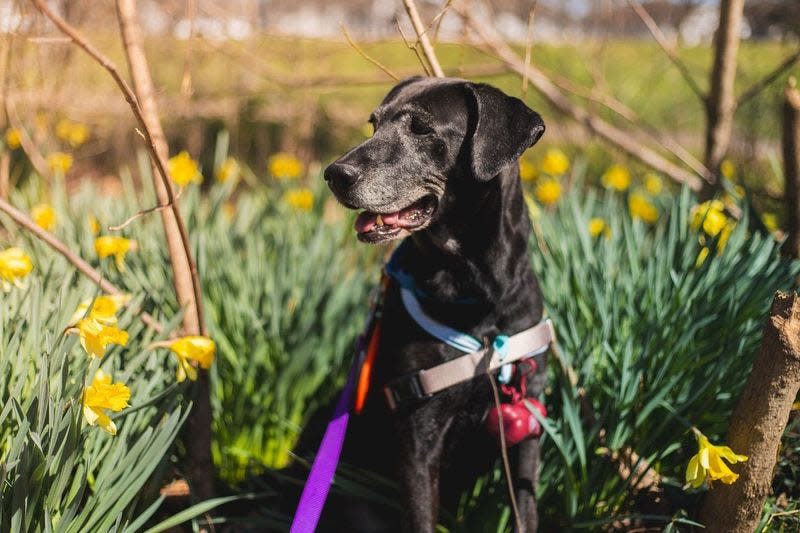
{"points": [[376, 227]]}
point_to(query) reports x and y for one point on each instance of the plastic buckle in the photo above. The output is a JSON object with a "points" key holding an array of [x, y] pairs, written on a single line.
{"points": [[404, 389]]}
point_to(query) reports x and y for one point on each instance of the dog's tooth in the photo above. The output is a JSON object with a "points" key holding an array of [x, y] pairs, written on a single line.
{"points": [[378, 221]]}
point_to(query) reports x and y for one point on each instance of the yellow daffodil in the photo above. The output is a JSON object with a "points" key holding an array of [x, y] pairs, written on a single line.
{"points": [[59, 162], [598, 226], [616, 177], [44, 216], [109, 245], [184, 170], [727, 169], [94, 225], [527, 172], [101, 395], [284, 166], [710, 216], [103, 308], [72, 132], [96, 336], [14, 265], [770, 221], [653, 183], [702, 256], [708, 464], [301, 199], [229, 210], [13, 138], [548, 191], [191, 348], [228, 171], [642, 208], [555, 162]]}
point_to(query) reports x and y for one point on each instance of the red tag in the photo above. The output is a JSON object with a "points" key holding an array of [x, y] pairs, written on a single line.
{"points": [[518, 421]]}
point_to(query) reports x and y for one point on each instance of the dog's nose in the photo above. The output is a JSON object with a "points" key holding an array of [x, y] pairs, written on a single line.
{"points": [[341, 175]]}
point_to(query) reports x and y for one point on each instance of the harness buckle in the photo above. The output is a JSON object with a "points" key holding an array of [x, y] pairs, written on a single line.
{"points": [[404, 389]]}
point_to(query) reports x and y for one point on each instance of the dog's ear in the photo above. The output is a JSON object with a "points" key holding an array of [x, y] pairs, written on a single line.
{"points": [[502, 128]]}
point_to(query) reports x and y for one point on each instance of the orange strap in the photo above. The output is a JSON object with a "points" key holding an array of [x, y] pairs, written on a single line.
{"points": [[366, 369]]}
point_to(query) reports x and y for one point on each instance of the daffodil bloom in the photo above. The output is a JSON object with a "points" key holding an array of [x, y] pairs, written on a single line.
{"points": [[527, 172], [284, 166], [616, 177], [702, 256], [727, 169], [109, 245], [13, 138], [96, 336], [44, 216], [710, 216], [642, 208], [101, 395], [192, 348], [555, 162], [103, 308], [72, 132], [14, 265], [770, 221], [59, 162], [184, 170], [598, 226], [548, 191], [301, 199], [228, 171], [653, 183], [708, 464]]}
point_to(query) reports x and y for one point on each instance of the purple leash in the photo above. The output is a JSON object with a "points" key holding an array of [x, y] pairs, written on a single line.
{"points": [[320, 478]]}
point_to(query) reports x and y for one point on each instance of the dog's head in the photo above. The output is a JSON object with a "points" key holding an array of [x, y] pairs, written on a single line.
{"points": [[428, 131]]}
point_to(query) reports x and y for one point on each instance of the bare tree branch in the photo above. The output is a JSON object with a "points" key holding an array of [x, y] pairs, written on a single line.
{"points": [[413, 46], [721, 102], [363, 54], [422, 35], [662, 41], [764, 82], [622, 139], [24, 221], [528, 46], [184, 268], [759, 421]]}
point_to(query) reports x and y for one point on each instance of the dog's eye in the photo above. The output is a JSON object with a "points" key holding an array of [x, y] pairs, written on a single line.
{"points": [[419, 128]]}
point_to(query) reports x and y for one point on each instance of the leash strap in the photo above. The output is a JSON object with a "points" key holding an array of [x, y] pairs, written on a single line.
{"points": [[320, 478], [456, 339]]}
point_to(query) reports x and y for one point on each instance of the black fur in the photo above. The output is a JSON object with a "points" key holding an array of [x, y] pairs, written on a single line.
{"points": [[458, 142]]}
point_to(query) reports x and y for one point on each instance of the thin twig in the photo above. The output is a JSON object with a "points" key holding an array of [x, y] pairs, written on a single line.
{"points": [[504, 454], [662, 41], [413, 46], [158, 160], [528, 47], [625, 140], [366, 56], [764, 82], [143, 212], [422, 36], [25, 222], [436, 23]]}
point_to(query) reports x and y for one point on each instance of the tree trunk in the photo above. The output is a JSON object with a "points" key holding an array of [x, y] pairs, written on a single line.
{"points": [[791, 165], [721, 103], [758, 422], [198, 429]]}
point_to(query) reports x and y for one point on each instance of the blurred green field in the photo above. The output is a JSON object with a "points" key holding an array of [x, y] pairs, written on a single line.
{"points": [[321, 91]]}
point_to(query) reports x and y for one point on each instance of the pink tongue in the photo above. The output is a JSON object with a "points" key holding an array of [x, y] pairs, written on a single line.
{"points": [[366, 220]]}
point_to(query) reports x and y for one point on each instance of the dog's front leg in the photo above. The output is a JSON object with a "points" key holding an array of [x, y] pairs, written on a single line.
{"points": [[525, 483], [419, 465]]}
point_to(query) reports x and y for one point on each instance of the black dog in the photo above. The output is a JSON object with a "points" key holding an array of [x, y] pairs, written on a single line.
{"points": [[441, 170]]}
